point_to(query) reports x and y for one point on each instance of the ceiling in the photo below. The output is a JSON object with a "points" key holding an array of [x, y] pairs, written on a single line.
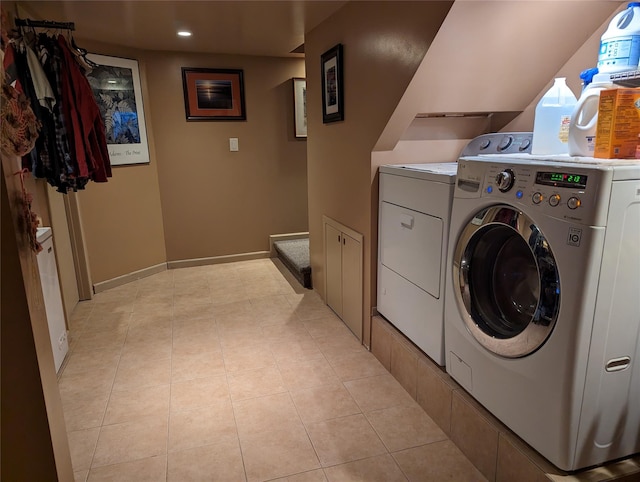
{"points": [[270, 28]]}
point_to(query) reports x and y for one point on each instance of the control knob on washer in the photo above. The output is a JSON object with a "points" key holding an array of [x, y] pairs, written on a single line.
{"points": [[505, 180]]}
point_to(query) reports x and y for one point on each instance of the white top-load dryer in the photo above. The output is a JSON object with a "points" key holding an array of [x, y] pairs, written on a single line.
{"points": [[415, 204]]}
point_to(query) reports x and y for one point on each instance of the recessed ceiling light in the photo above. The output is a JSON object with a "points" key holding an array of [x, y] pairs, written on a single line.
{"points": [[111, 81], [184, 33]]}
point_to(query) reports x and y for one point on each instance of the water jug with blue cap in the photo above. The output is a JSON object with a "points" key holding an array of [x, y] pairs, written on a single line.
{"points": [[620, 43], [584, 118]]}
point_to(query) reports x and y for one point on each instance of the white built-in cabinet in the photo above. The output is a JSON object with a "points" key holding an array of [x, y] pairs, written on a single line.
{"points": [[343, 273], [52, 297]]}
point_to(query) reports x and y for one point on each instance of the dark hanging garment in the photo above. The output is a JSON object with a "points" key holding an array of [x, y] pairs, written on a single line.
{"points": [[87, 125], [45, 160], [50, 59], [39, 160]]}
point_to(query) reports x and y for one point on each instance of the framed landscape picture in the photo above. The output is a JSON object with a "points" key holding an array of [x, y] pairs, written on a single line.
{"points": [[213, 94], [115, 83], [332, 85]]}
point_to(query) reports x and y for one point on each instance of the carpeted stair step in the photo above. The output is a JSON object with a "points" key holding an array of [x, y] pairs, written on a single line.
{"points": [[294, 254]]}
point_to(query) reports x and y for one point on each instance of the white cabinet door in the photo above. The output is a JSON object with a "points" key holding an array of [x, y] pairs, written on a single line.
{"points": [[343, 273], [53, 302], [333, 262], [352, 284]]}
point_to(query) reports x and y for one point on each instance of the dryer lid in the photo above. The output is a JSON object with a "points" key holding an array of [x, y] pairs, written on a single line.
{"points": [[440, 171]]}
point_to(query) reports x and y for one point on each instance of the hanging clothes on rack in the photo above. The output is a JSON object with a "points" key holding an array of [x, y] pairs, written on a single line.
{"points": [[49, 58], [38, 161], [71, 148], [87, 125]]}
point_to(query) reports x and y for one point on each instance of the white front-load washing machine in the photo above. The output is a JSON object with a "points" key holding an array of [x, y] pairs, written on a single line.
{"points": [[542, 301]]}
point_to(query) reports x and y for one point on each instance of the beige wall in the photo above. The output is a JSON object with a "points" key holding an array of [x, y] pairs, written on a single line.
{"points": [[496, 56], [122, 218], [216, 202], [196, 199], [585, 57], [122, 222], [384, 42]]}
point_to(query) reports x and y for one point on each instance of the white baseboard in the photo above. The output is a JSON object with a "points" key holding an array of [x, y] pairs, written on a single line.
{"points": [[280, 237], [189, 263], [128, 278]]}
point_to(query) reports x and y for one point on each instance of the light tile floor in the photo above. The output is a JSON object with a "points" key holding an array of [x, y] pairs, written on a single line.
{"points": [[234, 373]]}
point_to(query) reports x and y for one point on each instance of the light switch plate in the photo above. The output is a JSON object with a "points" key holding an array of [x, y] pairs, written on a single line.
{"points": [[233, 144]]}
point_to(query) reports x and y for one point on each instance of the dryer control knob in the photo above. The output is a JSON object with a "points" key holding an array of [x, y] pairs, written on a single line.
{"points": [[505, 142], [554, 200], [537, 198], [505, 180]]}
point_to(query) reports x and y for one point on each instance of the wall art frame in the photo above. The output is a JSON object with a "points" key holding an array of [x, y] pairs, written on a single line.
{"points": [[300, 107], [116, 86], [332, 85], [213, 94]]}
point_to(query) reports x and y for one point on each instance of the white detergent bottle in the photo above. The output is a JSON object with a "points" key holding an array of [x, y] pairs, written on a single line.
{"points": [[552, 120], [620, 43], [584, 119]]}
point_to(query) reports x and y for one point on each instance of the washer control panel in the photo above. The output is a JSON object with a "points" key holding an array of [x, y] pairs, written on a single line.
{"points": [[562, 191]]}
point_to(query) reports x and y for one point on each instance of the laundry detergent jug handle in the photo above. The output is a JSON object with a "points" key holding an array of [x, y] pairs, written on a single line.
{"points": [[588, 102]]}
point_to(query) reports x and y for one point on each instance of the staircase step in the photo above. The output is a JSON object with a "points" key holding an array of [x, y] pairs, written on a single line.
{"points": [[294, 254]]}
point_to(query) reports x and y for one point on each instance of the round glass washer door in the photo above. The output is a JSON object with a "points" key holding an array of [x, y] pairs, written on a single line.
{"points": [[506, 279]]}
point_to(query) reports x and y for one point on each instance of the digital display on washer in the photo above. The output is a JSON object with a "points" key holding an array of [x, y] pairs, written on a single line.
{"points": [[561, 179]]}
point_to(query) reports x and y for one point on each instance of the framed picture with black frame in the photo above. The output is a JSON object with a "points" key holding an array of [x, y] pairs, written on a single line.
{"points": [[116, 86], [213, 94], [332, 85], [300, 107]]}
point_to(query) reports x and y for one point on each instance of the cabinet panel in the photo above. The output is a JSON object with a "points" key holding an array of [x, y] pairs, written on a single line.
{"points": [[53, 302], [352, 284], [333, 268], [343, 273]]}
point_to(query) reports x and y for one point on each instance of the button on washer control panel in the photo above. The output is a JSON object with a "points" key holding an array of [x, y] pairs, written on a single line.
{"points": [[554, 199], [573, 203], [537, 198]]}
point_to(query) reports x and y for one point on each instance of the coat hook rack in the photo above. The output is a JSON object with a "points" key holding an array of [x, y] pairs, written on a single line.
{"points": [[26, 22]]}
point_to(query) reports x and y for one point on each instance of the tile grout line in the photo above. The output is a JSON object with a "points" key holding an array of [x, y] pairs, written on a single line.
{"points": [[233, 409], [115, 374], [173, 292]]}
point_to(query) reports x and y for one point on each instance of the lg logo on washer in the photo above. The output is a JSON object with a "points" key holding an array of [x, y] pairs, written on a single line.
{"points": [[574, 237]]}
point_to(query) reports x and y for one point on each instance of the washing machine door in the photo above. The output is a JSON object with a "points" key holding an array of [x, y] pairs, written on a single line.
{"points": [[507, 281]]}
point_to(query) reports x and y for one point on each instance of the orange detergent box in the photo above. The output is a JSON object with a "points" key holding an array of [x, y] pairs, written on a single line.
{"points": [[618, 130]]}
